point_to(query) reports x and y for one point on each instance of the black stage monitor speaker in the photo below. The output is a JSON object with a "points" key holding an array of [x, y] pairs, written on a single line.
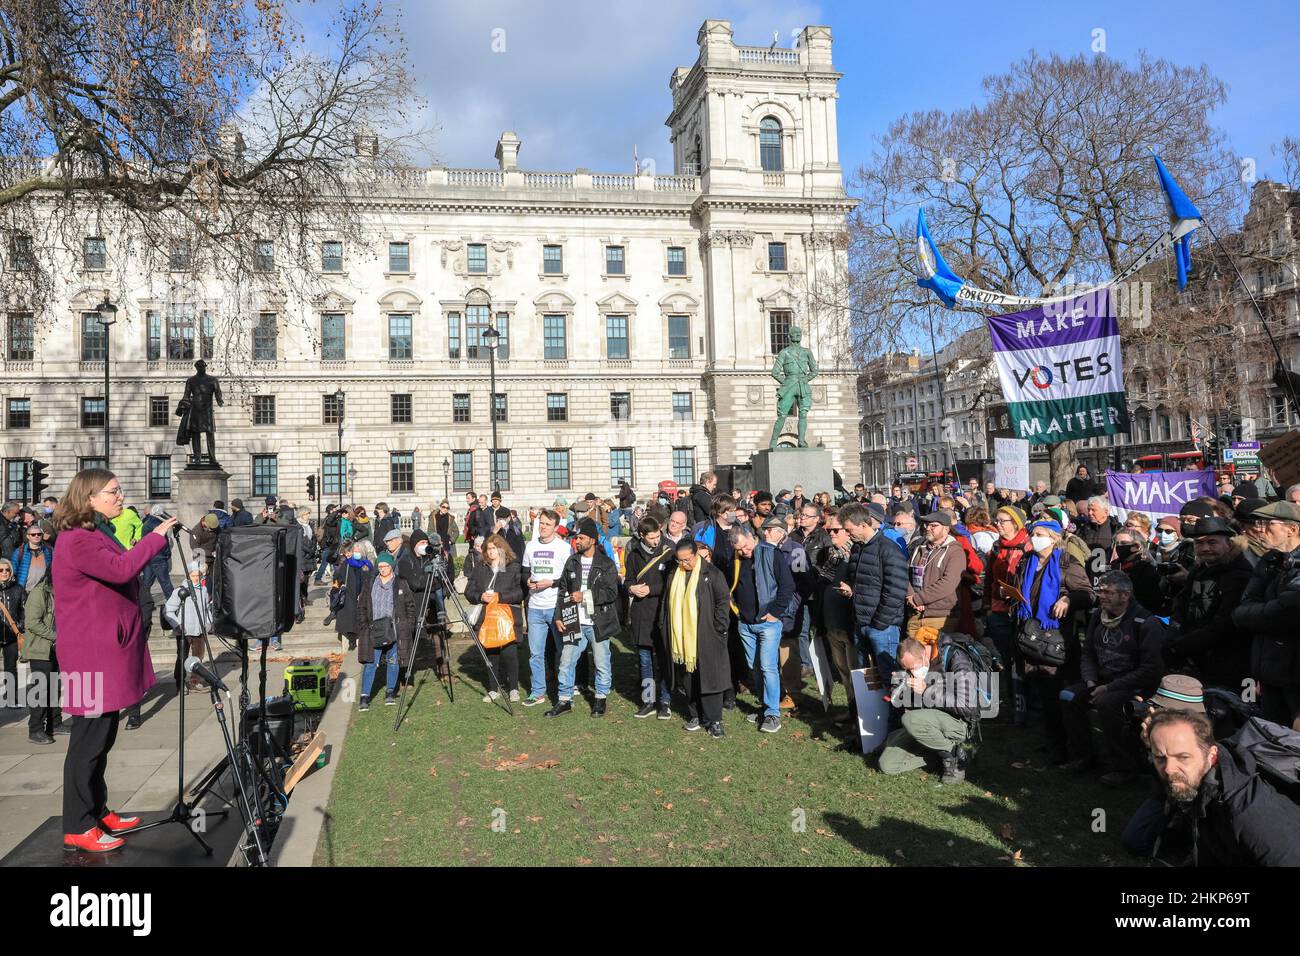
{"points": [[255, 593]]}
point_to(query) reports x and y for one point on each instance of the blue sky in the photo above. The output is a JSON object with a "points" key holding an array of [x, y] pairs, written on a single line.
{"points": [[582, 82]]}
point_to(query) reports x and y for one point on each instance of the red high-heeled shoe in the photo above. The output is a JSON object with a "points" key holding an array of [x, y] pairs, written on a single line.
{"points": [[93, 840]]}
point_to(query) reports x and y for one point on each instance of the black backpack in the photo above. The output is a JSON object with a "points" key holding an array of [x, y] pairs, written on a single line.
{"points": [[1276, 750], [985, 662]]}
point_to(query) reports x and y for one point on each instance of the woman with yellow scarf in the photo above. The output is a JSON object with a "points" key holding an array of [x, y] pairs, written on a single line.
{"points": [[696, 615]]}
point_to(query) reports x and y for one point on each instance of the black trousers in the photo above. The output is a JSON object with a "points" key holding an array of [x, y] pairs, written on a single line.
{"points": [[11, 675], [505, 662], [85, 794], [706, 708], [44, 686]]}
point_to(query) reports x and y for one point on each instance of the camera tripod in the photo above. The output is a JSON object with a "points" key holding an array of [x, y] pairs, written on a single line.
{"points": [[436, 568]]}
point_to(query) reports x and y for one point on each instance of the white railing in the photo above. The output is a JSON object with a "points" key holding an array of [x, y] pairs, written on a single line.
{"points": [[776, 180], [476, 177], [613, 181], [760, 54], [549, 180], [676, 184]]}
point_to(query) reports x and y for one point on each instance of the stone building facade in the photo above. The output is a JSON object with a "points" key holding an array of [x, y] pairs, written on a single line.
{"points": [[638, 315]]}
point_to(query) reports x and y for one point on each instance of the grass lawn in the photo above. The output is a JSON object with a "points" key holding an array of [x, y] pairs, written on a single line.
{"points": [[466, 783]]}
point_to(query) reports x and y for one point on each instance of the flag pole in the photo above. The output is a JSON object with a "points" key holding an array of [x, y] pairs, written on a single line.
{"points": [[1287, 384], [934, 354]]}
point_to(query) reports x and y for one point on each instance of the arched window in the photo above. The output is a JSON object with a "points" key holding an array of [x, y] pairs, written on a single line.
{"points": [[769, 144]]}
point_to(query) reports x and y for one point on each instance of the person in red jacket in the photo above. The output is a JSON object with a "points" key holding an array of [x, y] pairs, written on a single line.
{"points": [[103, 653]]}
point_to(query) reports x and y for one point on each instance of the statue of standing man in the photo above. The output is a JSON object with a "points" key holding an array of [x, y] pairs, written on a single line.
{"points": [[197, 415], [794, 368]]}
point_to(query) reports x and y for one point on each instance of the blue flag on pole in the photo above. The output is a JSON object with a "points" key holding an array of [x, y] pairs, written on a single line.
{"points": [[939, 278], [1184, 219]]}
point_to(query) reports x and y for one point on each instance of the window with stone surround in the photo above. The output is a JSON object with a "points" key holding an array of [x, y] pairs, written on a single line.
{"points": [[400, 409], [676, 261], [557, 407], [620, 466], [460, 408], [679, 336], [778, 325], [401, 472], [553, 260], [557, 469], [616, 343], [462, 471]]}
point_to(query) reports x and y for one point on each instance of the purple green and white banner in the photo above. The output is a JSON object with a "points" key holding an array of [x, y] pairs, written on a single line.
{"points": [[1158, 493], [1061, 370]]}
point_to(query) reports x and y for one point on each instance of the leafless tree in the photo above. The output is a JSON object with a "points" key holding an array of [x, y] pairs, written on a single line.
{"points": [[1047, 182], [198, 136]]}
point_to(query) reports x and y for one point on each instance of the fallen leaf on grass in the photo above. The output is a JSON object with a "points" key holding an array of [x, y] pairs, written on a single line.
{"points": [[727, 779], [797, 735], [463, 822], [668, 806], [533, 819], [805, 849], [546, 765], [585, 861], [433, 771]]}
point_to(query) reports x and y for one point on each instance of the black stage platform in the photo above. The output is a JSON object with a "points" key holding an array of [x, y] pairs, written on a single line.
{"points": [[168, 846]]}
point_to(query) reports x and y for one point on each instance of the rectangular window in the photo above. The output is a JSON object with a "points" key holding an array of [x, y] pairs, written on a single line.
{"points": [[614, 264], [18, 483], [180, 333], [676, 260], [160, 477], [557, 407], [620, 466], [154, 344], [616, 337], [684, 466], [553, 260], [476, 323], [462, 471], [401, 472], [460, 408], [92, 413], [453, 335], [332, 337], [22, 346], [557, 468], [265, 475], [179, 257], [500, 476], [94, 338], [334, 474], [207, 334], [554, 345], [20, 413], [263, 409], [620, 406], [22, 257], [500, 407], [399, 337], [333, 408], [94, 253], [84, 463], [264, 255], [159, 416], [401, 410], [503, 336], [476, 257], [679, 336], [683, 407], [264, 334], [399, 257], [778, 324], [331, 256], [1279, 415], [776, 256]]}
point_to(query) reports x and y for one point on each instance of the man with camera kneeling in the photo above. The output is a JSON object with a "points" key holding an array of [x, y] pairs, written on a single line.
{"points": [[1121, 660], [940, 694]]}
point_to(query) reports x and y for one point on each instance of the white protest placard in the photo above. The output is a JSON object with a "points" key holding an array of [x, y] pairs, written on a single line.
{"points": [[1011, 463]]}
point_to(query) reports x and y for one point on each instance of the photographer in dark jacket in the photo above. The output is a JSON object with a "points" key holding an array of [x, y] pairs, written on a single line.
{"points": [[647, 562], [1218, 808], [1201, 632], [589, 582], [702, 497], [939, 714], [833, 606]]}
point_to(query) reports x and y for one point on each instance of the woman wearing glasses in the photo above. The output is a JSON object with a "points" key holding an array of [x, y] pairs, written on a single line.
{"points": [[103, 655]]}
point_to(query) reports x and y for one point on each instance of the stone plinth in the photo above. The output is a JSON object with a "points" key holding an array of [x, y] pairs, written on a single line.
{"points": [[787, 467], [196, 489]]}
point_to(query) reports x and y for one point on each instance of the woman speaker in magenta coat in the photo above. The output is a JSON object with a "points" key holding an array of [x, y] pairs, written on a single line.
{"points": [[103, 655]]}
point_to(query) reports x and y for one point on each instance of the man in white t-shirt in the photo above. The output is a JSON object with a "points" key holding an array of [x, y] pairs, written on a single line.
{"points": [[544, 559]]}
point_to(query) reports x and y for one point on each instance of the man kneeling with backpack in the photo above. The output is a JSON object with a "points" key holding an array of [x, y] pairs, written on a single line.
{"points": [[939, 690]]}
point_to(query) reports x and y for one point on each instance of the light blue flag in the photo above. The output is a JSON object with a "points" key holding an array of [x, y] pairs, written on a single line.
{"points": [[939, 278], [1184, 219]]}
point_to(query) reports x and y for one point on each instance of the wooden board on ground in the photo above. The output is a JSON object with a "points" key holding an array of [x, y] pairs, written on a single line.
{"points": [[304, 762]]}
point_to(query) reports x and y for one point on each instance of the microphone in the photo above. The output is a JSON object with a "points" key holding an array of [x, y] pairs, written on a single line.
{"points": [[196, 668], [177, 528], [435, 540]]}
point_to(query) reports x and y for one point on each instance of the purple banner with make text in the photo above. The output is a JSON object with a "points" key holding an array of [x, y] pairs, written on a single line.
{"points": [[1158, 493], [1063, 323]]}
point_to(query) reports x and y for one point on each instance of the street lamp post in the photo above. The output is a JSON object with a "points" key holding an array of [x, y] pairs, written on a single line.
{"points": [[339, 397], [491, 334], [107, 318], [446, 478]]}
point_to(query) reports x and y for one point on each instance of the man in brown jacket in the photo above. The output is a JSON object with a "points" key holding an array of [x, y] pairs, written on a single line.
{"points": [[935, 570]]}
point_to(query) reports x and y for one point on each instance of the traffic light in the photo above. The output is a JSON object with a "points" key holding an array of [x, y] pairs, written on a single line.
{"points": [[39, 480], [311, 487]]}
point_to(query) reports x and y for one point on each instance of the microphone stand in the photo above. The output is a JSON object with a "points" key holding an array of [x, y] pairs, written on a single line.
{"points": [[183, 811]]}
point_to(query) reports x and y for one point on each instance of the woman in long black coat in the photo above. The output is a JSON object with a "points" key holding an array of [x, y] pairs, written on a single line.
{"points": [[500, 577], [646, 563], [711, 678], [374, 641]]}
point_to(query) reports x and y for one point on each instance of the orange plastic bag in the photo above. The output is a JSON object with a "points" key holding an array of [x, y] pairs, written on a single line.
{"points": [[498, 627]]}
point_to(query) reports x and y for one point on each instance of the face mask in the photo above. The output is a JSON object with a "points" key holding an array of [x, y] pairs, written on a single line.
{"points": [[920, 672], [1125, 551], [48, 511], [1167, 537], [1041, 543], [422, 547]]}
